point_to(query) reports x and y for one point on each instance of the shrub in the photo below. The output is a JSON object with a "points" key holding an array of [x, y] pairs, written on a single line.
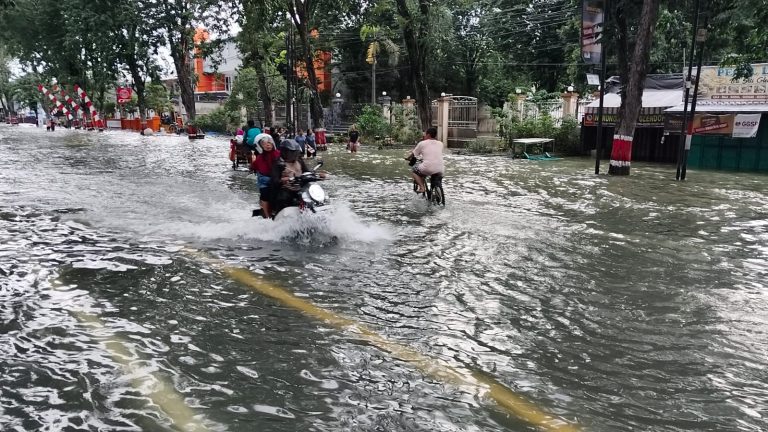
{"points": [[566, 136], [484, 145], [406, 128], [372, 124]]}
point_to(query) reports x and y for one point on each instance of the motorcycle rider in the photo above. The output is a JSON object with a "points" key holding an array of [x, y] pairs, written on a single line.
{"points": [[289, 165], [430, 151], [262, 167]]}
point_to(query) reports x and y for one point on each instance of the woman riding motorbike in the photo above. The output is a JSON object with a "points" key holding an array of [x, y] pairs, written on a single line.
{"points": [[289, 166]]}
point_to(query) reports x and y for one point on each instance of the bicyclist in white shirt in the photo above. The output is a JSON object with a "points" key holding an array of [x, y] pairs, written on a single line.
{"points": [[430, 151]]}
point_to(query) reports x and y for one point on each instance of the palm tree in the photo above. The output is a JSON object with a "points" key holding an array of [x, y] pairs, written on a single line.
{"points": [[378, 40]]}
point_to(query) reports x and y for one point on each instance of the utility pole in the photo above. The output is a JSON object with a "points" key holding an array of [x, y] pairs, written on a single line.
{"points": [[289, 72], [701, 36], [684, 137], [373, 81], [603, 55]]}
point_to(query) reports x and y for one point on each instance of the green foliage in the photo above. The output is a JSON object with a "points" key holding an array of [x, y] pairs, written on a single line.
{"points": [[405, 127], [25, 91], [132, 106], [566, 136], [109, 108], [372, 124], [6, 87], [339, 139], [219, 120], [157, 98], [246, 91], [485, 145]]}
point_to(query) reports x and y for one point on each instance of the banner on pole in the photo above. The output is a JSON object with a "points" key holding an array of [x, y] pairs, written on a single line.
{"points": [[124, 94], [592, 18], [711, 124], [746, 125]]}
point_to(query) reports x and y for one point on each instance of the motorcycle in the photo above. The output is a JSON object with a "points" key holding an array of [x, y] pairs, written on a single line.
{"points": [[309, 202]]}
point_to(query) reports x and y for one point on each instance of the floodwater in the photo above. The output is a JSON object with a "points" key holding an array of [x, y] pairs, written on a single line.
{"points": [[613, 304]]}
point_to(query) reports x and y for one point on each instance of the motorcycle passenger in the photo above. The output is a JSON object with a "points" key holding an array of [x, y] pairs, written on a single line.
{"points": [[250, 135], [430, 151], [262, 166], [289, 165]]}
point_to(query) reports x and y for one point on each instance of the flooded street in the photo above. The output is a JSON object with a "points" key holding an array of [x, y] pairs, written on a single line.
{"points": [[612, 304]]}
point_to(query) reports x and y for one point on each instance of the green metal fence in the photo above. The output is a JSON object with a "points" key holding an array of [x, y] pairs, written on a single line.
{"points": [[732, 154]]}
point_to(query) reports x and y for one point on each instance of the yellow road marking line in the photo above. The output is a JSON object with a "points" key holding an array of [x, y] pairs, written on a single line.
{"points": [[163, 394], [504, 397]]}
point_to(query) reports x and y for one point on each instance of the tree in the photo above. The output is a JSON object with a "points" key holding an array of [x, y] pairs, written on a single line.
{"points": [[741, 39], [157, 98], [26, 94], [245, 92], [378, 41], [136, 42], [415, 27], [178, 21], [6, 89], [258, 42], [633, 68], [300, 13]]}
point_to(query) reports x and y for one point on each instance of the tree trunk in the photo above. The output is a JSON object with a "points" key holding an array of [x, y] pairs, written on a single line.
{"points": [[633, 82], [300, 19], [138, 79], [181, 61], [415, 43], [266, 98], [141, 100]]}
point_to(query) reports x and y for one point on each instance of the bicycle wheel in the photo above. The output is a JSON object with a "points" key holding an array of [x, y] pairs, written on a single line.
{"points": [[437, 198]]}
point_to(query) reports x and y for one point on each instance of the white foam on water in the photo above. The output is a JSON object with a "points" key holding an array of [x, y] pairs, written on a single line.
{"points": [[211, 213]]}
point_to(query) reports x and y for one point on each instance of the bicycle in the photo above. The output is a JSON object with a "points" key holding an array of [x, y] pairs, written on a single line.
{"points": [[433, 187]]}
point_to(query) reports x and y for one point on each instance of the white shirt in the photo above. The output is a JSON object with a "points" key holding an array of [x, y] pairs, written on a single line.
{"points": [[431, 153]]}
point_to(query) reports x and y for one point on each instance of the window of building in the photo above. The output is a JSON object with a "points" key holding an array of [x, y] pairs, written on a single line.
{"points": [[227, 83]]}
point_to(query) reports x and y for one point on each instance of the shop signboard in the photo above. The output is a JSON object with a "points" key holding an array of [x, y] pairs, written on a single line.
{"points": [[610, 119], [124, 94], [718, 84], [746, 125]]}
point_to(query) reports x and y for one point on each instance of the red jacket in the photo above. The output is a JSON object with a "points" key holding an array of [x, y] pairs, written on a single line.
{"points": [[262, 163]]}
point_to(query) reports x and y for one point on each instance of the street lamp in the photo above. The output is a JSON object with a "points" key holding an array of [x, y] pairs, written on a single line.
{"points": [[338, 95], [570, 88], [442, 94], [383, 93]]}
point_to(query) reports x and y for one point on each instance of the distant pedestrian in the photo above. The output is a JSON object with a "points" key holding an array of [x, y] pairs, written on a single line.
{"points": [[353, 145], [302, 140], [311, 144]]}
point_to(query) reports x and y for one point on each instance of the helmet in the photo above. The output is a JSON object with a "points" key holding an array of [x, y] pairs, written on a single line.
{"points": [[290, 150], [289, 145]]}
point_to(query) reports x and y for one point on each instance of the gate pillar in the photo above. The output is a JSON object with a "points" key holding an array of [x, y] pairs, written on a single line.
{"points": [[443, 109], [570, 103]]}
